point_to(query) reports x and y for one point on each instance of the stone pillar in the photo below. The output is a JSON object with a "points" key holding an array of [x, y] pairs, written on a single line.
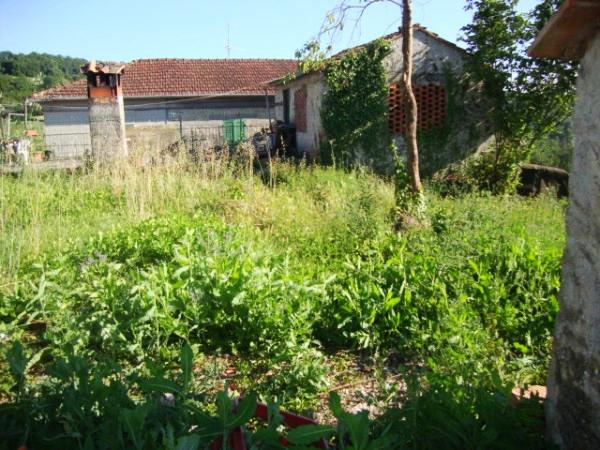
{"points": [[573, 404], [106, 112]]}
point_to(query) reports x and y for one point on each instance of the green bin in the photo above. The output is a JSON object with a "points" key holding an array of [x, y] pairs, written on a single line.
{"points": [[234, 131]]}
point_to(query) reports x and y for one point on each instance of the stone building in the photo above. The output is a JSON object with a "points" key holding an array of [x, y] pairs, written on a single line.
{"points": [[449, 107], [573, 403], [167, 98]]}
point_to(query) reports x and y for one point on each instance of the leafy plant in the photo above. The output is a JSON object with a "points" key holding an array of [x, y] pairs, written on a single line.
{"points": [[124, 336], [530, 96], [354, 111]]}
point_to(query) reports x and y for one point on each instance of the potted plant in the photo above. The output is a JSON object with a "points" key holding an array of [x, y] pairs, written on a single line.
{"points": [[37, 155]]}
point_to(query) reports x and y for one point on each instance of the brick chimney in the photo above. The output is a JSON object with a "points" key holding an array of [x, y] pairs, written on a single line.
{"points": [[106, 111]]}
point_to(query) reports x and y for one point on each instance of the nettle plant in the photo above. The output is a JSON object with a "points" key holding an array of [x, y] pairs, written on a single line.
{"points": [[94, 407]]}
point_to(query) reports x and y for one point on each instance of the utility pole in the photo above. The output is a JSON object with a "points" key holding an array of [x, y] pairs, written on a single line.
{"points": [[25, 108], [9, 116], [268, 106]]}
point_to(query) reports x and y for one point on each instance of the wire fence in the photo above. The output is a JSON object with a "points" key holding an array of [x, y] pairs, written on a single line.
{"points": [[160, 138], [58, 145]]}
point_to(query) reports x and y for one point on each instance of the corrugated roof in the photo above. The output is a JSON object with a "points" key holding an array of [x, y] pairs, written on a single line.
{"points": [[186, 78]]}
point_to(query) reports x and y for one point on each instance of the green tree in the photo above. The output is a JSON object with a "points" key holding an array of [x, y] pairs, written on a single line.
{"points": [[364, 121], [529, 97], [23, 74]]}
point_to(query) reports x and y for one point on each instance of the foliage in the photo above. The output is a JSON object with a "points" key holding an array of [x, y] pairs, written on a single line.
{"points": [[482, 172], [274, 279], [555, 150], [22, 74], [464, 417], [83, 406], [354, 111], [530, 96]]}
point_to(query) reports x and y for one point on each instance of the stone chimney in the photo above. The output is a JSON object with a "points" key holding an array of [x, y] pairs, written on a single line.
{"points": [[106, 111]]}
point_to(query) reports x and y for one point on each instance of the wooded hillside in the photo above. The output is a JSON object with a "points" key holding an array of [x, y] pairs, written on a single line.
{"points": [[22, 74]]}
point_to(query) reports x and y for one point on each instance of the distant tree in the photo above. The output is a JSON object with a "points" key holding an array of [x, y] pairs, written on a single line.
{"points": [[530, 97], [15, 89], [49, 81], [21, 75]]}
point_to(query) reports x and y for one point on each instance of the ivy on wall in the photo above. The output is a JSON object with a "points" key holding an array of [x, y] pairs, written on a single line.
{"points": [[441, 146], [355, 109], [355, 113]]}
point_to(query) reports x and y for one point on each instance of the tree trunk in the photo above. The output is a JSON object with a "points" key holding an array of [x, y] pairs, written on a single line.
{"points": [[412, 149]]}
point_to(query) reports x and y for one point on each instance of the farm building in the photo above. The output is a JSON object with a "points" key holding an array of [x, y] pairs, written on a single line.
{"points": [[449, 109], [573, 403], [166, 99]]}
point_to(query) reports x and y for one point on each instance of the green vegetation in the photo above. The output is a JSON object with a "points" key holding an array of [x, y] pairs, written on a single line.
{"points": [[529, 97], [555, 149], [119, 288], [23, 74], [355, 106]]}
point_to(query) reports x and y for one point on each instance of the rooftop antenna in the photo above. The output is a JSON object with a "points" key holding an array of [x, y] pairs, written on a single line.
{"points": [[228, 44]]}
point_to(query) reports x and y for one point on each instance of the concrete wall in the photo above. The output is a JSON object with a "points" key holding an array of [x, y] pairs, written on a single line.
{"points": [[309, 140], [107, 129], [573, 404], [153, 122], [430, 56], [67, 131]]}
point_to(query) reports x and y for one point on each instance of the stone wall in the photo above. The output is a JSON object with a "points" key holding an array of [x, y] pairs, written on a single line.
{"points": [[465, 129], [430, 56], [107, 129], [573, 405]]}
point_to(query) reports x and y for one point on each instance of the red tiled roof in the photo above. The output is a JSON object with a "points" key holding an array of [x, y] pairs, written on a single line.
{"points": [[186, 77]]}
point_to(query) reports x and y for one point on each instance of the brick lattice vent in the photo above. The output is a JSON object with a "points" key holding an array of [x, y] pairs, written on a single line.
{"points": [[300, 109], [431, 107]]}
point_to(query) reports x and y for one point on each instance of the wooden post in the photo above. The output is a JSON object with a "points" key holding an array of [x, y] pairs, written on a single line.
{"points": [[268, 106], [180, 128]]}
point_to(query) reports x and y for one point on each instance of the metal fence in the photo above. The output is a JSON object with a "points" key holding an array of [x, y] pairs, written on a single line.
{"points": [[158, 138]]}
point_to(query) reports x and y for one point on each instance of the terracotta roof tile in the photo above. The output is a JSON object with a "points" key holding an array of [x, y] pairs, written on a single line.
{"points": [[186, 77]]}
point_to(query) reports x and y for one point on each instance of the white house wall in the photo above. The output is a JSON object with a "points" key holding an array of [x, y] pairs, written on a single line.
{"points": [[67, 131], [307, 141]]}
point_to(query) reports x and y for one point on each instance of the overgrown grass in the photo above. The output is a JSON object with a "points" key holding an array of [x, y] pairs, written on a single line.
{"points": [[272, 275]]}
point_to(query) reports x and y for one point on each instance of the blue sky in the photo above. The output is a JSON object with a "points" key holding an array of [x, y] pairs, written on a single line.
{"points": [[130, 29]]}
